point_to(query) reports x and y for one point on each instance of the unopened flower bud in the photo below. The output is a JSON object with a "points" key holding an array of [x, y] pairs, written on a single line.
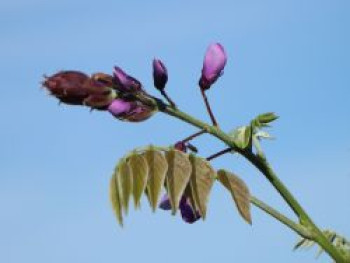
{"points": [[100, 90], [160, 74], [132, 111], [68, 86], [214, 63], [181, 146], [124, 82]]}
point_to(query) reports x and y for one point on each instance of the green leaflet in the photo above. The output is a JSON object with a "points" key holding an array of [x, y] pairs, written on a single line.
{"points": [[125, 180], [158, 166], [239, 191], [139, 170], [148, 170], [202, 180], [114, 195], [178, 175]]}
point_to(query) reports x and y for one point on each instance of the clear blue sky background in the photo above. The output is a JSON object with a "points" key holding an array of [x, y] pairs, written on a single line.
{"points": [[291, 57]]}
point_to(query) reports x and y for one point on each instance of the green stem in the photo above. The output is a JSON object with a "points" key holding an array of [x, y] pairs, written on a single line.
{"points": [[263, 166], [299, 229]]}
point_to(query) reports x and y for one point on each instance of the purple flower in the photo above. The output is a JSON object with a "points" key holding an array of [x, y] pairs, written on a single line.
{"points": [[125, 82], [133, 111], [214, 63], [160, 74], [68, 86], [187, 212]]}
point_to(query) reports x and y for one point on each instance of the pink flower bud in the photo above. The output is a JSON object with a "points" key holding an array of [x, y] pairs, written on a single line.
{"points": [[132, 111], [68, 86], [125, 82], [214, 63], [160, 74]]}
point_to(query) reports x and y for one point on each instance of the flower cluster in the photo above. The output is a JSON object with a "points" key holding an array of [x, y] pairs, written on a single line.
{"points": [[100, 91], [119, 94]]}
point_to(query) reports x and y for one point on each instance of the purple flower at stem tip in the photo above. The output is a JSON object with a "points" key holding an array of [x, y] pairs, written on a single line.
{"points": [[187, 213], [213, 65]]}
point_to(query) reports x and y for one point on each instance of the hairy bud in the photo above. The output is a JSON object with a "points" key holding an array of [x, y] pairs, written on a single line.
{"points": [[68, 86]]}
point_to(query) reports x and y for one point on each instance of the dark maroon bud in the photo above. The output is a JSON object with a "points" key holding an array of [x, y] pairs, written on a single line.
{"points": [[67, 86], [160, 74], [99, 83], [181, 146], [100, 90]]}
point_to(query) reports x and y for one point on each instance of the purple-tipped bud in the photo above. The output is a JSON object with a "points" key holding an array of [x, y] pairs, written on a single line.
{"points": [[214, 63], [133, 111], [124, 82], [160, 74], [187, 212], [68, 86]]}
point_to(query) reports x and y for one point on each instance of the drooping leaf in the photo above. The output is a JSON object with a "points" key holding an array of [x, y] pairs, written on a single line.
{"points": [[202, 180], [126, 183], [139, 170], [157, 168], [114, 195], [241, 136], [178, 176], [239, 191]]}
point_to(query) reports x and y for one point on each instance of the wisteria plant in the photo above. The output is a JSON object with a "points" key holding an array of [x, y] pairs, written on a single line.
{"points": [[186, 176]]}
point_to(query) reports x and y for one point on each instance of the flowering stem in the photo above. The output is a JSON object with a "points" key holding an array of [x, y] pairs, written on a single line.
{"points": [[298, 228], [166, 96], [263, 166], [207, 105], [218, 154], [191, 137]]}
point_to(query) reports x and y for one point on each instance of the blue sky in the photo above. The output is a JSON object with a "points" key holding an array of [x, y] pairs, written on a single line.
{"points": [[291, 57]]}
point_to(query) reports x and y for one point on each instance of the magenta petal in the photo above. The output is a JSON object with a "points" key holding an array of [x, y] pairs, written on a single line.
{"points": [[125, 82], [119, 107], [214, 62]]}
